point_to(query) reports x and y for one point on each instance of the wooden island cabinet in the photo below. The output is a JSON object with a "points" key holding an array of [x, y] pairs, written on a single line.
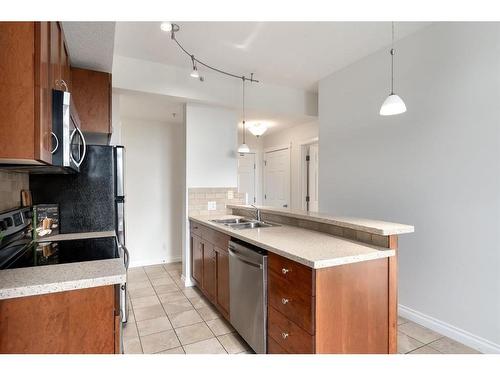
{"points": [[342, 309]]}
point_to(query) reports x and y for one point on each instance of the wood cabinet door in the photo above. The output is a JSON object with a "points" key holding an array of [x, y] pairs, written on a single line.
{"points": [[222, 293], [197, 259], [55, 56], [43, 141], [92, 97], [209, 270]]}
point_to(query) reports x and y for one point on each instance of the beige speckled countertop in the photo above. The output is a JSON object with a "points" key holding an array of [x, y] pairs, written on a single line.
{"points": [[29, 281], [383, 228], [308, 247]]}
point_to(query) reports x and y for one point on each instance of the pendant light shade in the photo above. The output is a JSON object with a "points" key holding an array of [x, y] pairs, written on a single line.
{"points": [[243, 149], [393, 105], [194, 73]]}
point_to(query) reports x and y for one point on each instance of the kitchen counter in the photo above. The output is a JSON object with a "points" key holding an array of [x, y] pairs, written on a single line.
{"points": [[383, 228], [29, 281], [76, 236], [311, 248]]}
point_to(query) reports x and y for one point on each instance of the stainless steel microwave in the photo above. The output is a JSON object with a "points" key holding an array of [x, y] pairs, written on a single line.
{"points": [[68, 142]]}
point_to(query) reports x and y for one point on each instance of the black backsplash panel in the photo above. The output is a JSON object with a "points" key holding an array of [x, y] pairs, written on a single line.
{"points": [[86, 199]]}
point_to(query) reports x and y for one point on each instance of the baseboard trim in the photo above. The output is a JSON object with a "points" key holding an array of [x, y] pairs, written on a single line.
{"points": [[146, 263], [455, 333], [187, 281]]}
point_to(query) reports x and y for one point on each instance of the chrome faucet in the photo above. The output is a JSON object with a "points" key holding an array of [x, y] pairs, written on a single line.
{"points": [[257, 212]]}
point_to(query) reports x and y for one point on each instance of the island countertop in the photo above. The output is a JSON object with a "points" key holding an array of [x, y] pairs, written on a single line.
{"points": [[311, 248], [29, 281], [379, 227]]}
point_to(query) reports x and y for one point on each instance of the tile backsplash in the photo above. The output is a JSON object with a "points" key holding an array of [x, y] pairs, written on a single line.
{"points": [[11, 185], [198, 199]]}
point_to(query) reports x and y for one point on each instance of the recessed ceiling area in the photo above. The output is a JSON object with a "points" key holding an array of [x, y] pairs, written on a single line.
{"points": [[293, 54]]}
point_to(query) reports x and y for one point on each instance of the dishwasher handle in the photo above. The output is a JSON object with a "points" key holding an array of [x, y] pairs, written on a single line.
{"points": [[238, 256]]}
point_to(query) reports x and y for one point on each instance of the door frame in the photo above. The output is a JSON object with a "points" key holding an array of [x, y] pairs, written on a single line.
{"points": [[273, 149], [255, 174], [303, 169]]}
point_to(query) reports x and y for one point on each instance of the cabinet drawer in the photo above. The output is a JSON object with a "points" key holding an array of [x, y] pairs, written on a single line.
{"points": [[299, 277], [196, 228], [216, 238], [273, 347], [288, 335], [292, 303]]}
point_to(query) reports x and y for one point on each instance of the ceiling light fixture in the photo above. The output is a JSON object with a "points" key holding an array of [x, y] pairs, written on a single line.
{"points": [[258, 129], [243, 149], [194, 72], [166, 26], [393, 105]]}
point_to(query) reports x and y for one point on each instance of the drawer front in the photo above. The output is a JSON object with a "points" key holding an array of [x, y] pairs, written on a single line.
{"points": [[216, 238], [294, 304], [299, 277], [273, 347], [196, 228], [288, 335]]}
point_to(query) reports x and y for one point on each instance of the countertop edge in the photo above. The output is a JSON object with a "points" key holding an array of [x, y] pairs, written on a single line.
{"points": [[323, 218], [377, 254]]}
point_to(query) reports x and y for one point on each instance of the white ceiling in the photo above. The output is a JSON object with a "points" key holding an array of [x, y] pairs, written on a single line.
{"points": [[90, 44], [294, 54]]}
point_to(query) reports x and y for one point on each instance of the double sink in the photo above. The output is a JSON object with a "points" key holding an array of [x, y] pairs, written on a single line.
{"points": [[242, 223]]}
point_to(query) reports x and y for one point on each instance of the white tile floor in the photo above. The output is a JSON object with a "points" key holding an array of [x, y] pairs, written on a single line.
{"points": [[167, 318]]}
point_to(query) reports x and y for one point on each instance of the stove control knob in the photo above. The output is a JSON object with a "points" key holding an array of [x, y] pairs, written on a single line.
{"points": [[28, 214], [8, 221], [3, 225]]}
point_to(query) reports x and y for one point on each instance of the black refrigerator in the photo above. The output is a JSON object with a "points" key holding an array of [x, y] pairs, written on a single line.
{"points": [[92, 200]]}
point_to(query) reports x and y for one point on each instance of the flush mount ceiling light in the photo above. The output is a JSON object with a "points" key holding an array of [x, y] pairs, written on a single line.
{"points": [[257, 129], [393, 105], [243, 149]]}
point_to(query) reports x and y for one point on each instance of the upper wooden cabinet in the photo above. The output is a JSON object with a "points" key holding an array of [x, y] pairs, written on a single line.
{"points": [[59, 59], [25, 92], [91, 92]]}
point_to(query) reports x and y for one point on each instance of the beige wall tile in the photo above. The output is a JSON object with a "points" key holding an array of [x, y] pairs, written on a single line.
{"points": [[11, 185]]}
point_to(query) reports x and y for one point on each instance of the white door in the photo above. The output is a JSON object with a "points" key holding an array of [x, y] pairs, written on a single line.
{"points": [[313, 177], [277, 178], [246, 176]]}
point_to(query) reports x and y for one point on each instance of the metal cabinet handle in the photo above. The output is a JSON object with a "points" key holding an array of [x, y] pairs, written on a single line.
{"points": [[284, 335], [284, 301], [78, 163], [284, 271], [57, 143]]}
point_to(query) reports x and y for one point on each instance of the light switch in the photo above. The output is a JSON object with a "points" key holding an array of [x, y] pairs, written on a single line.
{"points": [[230, 195], [212, 205]]}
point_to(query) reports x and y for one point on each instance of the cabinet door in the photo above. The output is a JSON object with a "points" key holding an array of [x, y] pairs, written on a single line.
{"points": [[222, 293], [209, 274], [55, 56], [92, 97], [43, 93], [65, 68], [197, 259]]}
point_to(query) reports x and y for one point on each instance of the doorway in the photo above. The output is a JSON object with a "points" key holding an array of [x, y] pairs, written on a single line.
{"points": [[247, 177], [277, 178]]}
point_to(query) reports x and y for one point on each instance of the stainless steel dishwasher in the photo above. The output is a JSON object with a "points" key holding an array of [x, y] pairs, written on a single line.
{"points": [[248, 293]]}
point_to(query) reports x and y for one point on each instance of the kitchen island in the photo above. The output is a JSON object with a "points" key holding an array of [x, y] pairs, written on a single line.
{"points": [[62, 308], [332, 282]]}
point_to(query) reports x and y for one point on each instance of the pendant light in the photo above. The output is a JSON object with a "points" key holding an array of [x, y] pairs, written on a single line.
{"points": [[243, 147], [257, 129], [393, 105], [194, 72]]}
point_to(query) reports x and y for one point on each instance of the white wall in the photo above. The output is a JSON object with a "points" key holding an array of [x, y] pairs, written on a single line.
{"points": [[154, 185], [436, 166], [211, 159], [294, 136]]}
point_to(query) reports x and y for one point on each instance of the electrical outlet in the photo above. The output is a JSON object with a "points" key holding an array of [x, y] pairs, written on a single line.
{"points": [[230, 194], [212, 205]]}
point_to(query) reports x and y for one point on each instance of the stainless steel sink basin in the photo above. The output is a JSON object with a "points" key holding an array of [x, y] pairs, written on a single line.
{"points": [[251, 225], [231, 221]]}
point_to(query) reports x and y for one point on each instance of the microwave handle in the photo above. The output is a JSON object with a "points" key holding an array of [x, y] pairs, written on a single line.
{"points": [[78, 163]]}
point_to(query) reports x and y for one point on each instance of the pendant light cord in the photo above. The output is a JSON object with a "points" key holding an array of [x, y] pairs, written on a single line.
{"points": [[392, 60], [243, 108]]}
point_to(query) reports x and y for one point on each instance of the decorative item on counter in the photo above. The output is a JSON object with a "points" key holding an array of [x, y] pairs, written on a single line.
{"points": [[46, 220], [26, 200]]}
